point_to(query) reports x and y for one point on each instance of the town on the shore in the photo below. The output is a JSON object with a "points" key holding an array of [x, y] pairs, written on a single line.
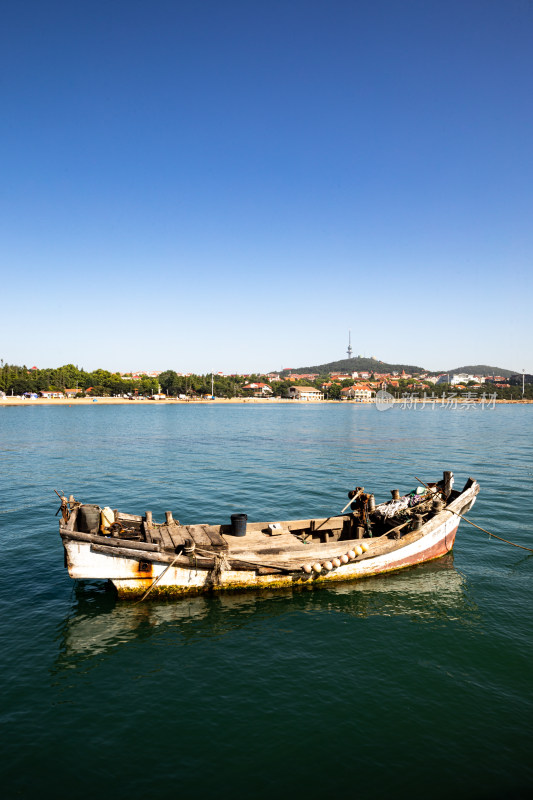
{"points": [[69, 382]]}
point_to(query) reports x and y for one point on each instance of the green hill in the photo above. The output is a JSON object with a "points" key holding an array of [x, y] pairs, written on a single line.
{"points": [[359, 365], [374, 365]]}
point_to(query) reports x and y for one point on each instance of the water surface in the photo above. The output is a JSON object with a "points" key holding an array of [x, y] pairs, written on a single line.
{"points": [[410, 684]]}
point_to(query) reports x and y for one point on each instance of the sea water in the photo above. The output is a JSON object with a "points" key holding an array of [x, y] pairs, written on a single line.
{"points": [[409, 685]]}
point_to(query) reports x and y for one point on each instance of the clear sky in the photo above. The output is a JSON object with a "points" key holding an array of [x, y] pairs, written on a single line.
{"points": [[233, 184]]}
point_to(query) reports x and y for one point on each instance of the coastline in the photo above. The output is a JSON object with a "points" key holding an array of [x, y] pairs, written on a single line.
{"points": [[89, 401]]}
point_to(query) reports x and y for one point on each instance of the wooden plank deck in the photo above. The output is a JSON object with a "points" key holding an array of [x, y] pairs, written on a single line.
{"points": [[259, 545], [166, 537], [217, 541], [198, 536], [205, 537]]}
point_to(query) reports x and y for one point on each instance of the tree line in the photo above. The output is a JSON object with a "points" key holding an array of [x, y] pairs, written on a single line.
{"points": [[18, 380], [15, 379]]}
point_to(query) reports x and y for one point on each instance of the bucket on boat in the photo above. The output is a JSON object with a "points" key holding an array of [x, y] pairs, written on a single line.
{"points": [[88, 518], [238, 524]]}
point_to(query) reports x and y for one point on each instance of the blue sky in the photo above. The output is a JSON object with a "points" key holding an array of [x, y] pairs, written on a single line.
{"points": [[232, 185]]}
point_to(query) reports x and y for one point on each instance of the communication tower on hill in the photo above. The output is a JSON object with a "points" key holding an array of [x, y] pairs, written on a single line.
{"points": [[349, 350]]}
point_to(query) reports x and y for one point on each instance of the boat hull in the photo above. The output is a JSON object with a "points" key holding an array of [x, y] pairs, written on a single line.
{"points": [[133, 577]]}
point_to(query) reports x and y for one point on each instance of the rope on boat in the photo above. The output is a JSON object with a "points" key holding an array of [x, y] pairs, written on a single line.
{"points": [[254, 564], [521, 546], [221, 564]]}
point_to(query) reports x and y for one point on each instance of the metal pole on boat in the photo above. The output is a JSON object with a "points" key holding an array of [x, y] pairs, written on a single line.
{"points": [[356, 495], [158, 578]]}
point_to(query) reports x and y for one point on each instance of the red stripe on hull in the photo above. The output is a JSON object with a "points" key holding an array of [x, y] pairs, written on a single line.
{"points": [[440, 548]]}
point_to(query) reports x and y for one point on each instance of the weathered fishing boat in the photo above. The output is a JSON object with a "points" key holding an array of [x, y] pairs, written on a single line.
{"points": [[140, 556]]}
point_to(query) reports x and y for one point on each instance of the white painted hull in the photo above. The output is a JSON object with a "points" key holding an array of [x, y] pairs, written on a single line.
{"points": [[133, 577]]}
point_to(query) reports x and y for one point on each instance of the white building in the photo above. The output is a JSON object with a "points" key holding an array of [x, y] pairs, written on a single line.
{"points": [[305, 393], [460, 377], [360, 392]]}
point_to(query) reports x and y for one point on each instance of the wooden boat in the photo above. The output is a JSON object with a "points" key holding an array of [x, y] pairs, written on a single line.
{"points": [[140, 556]]}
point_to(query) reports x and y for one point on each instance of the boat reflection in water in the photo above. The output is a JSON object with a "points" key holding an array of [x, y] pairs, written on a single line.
{"points": [[97, 623]]}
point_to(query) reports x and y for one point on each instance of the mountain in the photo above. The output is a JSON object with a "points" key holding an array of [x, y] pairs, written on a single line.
{"points": [[359, 365], [373, 365]]}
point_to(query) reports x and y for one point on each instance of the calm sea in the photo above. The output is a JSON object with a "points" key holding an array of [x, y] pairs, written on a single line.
{"points": [[411, 685]]}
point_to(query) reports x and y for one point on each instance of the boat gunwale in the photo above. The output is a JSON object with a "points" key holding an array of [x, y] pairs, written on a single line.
{"points": [[284, 560]]}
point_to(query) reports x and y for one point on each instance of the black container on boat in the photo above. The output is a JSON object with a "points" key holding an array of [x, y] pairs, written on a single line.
{"points": [[88, 518], [238, 524]]}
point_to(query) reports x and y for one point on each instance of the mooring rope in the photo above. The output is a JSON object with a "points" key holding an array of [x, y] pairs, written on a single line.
{"points": [[521, 546]]}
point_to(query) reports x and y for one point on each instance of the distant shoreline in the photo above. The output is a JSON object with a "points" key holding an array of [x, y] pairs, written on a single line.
{"points": [[89, 401]]}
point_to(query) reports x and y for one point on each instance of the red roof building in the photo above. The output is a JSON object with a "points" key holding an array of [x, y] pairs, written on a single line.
{"points": [[258, 389]]}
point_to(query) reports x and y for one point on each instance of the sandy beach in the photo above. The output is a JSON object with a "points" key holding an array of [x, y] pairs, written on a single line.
{"points": [[86, 401]]}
